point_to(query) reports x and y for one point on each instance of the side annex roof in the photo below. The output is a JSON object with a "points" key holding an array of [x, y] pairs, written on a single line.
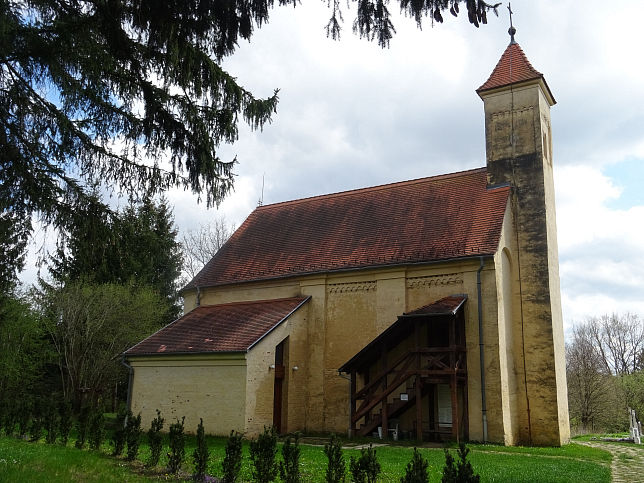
{"points": [[232, 327]]}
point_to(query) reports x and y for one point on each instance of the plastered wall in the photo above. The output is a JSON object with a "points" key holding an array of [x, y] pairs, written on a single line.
{"points": [[212, 387], [345, 312], [519, 152]]}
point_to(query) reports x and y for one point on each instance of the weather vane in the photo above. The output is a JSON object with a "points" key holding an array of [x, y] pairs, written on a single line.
{"points": [[511, 30]]}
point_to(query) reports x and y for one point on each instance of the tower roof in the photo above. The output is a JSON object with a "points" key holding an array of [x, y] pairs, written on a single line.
{"points": [[513, 68]]}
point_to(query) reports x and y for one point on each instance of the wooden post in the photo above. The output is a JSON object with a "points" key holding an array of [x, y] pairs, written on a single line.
{"points": [[419, 410], [466, 418], [453, 387], [419, 388], [352, 407], [383, 411]]}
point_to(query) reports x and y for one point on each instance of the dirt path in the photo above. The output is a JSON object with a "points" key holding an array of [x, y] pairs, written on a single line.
{"points": [[628, 461]]}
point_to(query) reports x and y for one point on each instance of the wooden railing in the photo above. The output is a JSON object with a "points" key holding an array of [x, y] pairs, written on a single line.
{"points": [[442, 363]]}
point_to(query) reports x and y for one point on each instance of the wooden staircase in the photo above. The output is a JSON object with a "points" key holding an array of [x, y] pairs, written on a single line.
{"points": [[394, 409]]}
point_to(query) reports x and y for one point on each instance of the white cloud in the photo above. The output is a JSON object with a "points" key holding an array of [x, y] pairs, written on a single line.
{"points": [[601, 264]]}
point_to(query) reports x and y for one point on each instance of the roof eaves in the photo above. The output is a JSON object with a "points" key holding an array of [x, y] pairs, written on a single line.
{"points": [[142, 341], [540, 80], [438, 314], [278, 323], [353, 269], [181, 353]]}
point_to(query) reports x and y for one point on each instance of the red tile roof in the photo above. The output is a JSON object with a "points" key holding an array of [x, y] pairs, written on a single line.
{"points": [[233, 327], [446, 306], [438, 218], [513, 67]]}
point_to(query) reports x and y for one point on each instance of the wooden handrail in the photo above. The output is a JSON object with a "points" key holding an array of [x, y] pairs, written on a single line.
{"points": [[367, 393], [422, 350]]}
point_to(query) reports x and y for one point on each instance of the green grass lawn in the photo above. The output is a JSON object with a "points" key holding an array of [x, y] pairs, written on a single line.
{"points": [[24, 461]]}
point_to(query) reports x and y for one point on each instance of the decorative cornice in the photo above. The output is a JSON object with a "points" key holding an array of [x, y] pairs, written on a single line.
{"points": [[435, 280], [351, 287], [508, 113]]}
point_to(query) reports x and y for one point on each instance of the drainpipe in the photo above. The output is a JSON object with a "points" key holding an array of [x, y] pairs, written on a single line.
{"points": [[198, 301], [481, 349], [130, 370]]}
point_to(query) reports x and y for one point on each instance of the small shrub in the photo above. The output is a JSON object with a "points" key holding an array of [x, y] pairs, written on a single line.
{"points": [[120, 433], [416, 471], [51, 422], [200, 454], [461, 471], [262, 455], [35, 431], [366, 468], [133, 436], [177, 446], [155, 439], [5, 410], [24, 417], [290, 466], [233, 459], [9, 416], [65, 421], [82, 427], [96, 430], [336, 467]]}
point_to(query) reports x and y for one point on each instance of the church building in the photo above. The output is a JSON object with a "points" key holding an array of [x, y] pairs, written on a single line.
{"points": [[427, 309]]}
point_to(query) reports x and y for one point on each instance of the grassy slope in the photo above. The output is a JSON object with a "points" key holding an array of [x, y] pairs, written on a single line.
{"points": [[22, 461]]}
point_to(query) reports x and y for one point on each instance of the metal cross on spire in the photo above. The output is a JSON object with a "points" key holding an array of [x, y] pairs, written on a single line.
{"points": [[511, 30]]}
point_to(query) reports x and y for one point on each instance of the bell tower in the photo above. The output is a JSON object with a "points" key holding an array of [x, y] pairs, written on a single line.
{"points": [[517, 102]]}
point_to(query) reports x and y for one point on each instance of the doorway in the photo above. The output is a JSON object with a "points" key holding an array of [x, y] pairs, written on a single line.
{"points": [[280, 388]]}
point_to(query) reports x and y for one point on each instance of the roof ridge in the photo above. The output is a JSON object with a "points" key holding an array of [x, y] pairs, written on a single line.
{"points": [[368, 189]]}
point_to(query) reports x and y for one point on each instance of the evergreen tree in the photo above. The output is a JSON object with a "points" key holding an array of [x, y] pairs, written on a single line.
{"points": [[366, 468], [136, 246], [232, 463], [82, 427], [96, 429], [289, 467], [416, 471], [200, 454], [76, 76], [177, 452], [14, 234], [336, 467], [460, 471], [133, 436], [262, 454], [120, 431], [24, 350], [66, 420], [52, 421], [155, 439]]}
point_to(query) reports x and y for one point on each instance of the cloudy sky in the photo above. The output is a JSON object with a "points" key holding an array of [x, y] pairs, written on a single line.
{"points": [[353, 115]]}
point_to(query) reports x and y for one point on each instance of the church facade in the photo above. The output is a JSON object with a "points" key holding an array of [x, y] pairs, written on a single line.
{"points": [[426, 309]]}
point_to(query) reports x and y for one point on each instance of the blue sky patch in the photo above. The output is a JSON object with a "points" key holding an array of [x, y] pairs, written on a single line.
{"points": [[629, 176]]}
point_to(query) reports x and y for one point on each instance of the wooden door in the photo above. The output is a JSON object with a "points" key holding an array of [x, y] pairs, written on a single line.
{"points": [[278, 387]]}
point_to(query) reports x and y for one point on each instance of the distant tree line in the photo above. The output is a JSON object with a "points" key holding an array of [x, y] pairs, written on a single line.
{"points": [[605, 371]]}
